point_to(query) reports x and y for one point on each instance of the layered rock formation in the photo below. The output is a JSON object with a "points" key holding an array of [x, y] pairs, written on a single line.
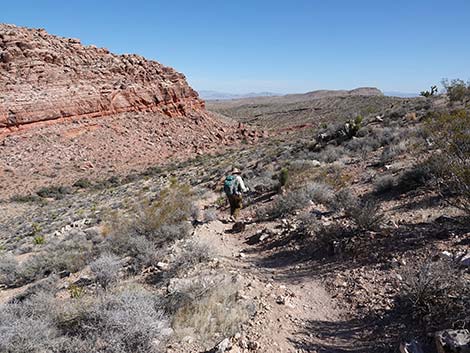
{"points": [[44, 78], [68, 112]]}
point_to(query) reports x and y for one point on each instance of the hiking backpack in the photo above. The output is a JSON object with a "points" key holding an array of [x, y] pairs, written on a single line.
{"points": [[229, 185]]}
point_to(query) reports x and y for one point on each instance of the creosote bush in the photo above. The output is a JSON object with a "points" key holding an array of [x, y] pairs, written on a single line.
{"points": [[451, 133], [457, 90], [156, 224]]}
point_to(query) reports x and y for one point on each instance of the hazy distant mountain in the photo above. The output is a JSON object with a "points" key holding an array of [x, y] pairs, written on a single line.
{"points": [[214, 95], [401, 94]]}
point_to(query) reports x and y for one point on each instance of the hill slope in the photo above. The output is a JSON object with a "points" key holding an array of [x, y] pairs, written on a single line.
{"points": [[311, 109], [68, 112]]}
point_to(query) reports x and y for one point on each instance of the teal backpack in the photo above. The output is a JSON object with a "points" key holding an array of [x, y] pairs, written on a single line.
{"points": [[229, 184]]}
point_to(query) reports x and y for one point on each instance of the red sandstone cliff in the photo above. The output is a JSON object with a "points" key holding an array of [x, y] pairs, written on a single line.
{"points": [[68, 111], [44, 77]]}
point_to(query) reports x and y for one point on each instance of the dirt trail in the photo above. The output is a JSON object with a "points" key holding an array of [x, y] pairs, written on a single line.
{"points": [[287, 304]]}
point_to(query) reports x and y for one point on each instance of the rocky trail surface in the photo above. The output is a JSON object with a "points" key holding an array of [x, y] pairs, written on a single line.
{"points": [[288, 302]]}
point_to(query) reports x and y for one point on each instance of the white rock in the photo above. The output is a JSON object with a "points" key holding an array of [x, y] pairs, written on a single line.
{"points": [[163, 266], [223, 346]]}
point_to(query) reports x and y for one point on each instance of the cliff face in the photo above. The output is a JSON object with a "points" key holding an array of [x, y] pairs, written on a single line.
{"points": [[68, 112], [44, 78]]}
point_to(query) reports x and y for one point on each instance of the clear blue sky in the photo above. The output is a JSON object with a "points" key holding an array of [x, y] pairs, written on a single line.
{"points": [[268, 45]]}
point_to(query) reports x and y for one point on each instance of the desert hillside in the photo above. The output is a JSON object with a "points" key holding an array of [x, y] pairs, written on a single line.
{"points": [[69, 112], [116, 234]]}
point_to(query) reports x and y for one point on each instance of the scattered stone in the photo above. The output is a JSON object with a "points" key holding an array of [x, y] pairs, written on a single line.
{"points": [[223, 346], [453, 341], [465, 260], [411, 347], [163, 266]]}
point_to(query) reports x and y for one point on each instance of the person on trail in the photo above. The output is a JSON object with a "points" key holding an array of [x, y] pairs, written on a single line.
{"points": [[234, 187]]}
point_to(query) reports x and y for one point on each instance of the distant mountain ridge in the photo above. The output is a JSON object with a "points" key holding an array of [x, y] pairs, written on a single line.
{"points": [[401, 94], [215, 95], [360, 91]]}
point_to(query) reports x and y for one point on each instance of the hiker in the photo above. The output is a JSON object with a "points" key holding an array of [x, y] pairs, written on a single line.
{"points": [[234, 187]]}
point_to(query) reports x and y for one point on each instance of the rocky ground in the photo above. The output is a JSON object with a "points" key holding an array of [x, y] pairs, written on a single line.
{"points": [[303, 279], [114, 230]]}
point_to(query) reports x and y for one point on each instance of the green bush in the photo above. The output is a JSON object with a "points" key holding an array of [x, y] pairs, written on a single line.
{"points": [[56, 192], [283, 176], [451, 134], [457, 90]]}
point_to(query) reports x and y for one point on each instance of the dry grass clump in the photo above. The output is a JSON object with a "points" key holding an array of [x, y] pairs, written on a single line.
{"points": [[208, 310]]}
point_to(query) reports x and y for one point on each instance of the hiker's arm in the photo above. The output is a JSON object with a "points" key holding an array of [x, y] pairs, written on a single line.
{"points": [[243, 188]]}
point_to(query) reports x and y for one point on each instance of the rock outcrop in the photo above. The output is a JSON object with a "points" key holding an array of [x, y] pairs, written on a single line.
{"points": [[46, 78], [69, 111]]}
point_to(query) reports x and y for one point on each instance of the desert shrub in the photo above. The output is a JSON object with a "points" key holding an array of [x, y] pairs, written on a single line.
{"points": [[418, 175], [83, 183], [166, 218], [189, 253], [124, 242], [330, 154], [331, 175], [363, 146], [123, 321], [155, 224], [384, 184], [211, 311], [27, 327], [302, 165], [309, 225], [39, 240], [106, 269], [364, 213], [457, 90], [70, 254], [209, 215], [451, 133], [25, 198], [8, 270], [56, 192], [297, 199], [326, 239], [436, 294], [283, 177], [391, 151]]}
